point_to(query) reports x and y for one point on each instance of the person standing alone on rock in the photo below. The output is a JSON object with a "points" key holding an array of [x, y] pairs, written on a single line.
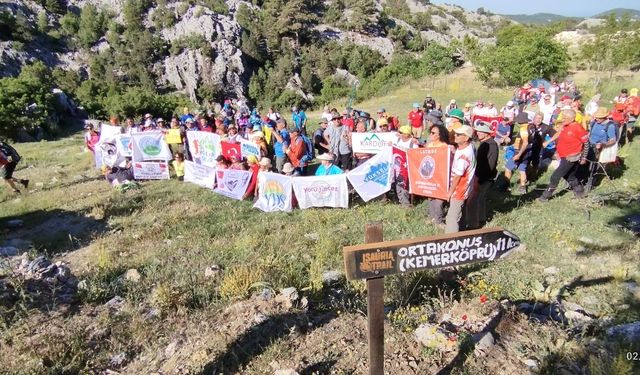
{"points": [[9, 159]]}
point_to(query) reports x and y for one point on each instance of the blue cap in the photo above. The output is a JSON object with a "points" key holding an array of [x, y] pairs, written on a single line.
{"points": [[416, 105]]}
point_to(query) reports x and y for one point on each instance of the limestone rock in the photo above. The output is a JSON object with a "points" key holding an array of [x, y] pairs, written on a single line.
{"points": [[132, 275]]}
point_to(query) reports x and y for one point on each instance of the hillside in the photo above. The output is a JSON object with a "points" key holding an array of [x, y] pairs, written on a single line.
{"points": [[537, 18], [619, 12], [172, 278], [212, 49]]}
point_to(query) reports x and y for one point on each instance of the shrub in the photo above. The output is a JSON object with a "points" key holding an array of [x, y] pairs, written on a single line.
{"points": [[237, 282]]}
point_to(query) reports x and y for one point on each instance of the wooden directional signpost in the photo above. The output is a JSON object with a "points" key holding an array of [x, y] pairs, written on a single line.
{"points": [[376, 259]]}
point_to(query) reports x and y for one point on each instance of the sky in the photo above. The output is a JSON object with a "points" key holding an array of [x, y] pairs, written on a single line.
{"points": [[573, 8]]}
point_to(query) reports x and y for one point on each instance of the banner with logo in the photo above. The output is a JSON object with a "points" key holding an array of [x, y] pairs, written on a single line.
{"points": [[204, 147], [429, 171], [172, 137], [249, 148], [108, 133], [232, 183], [372, 143], [400, 167], [230, 149], [124, 145], [322, 191], [150, 146], [492, 121], [373, 178], [150, 170], [109, 154], [274, 192], [199, 174]]}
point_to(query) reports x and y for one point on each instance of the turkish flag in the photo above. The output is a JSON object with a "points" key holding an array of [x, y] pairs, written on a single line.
{"points": [[492, 121], [229, 149], [400, 164]]}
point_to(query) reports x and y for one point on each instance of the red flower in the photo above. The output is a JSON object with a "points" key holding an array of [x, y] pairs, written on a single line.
{"points": [[453, 338], [483, 299], [464, 317]]}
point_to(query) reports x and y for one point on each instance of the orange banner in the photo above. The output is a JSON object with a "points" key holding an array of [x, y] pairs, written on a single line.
{"points": [[429, 171]]}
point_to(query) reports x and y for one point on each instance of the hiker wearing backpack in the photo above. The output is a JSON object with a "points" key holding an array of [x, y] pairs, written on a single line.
{"points": [[9, 159], [603, 138]]}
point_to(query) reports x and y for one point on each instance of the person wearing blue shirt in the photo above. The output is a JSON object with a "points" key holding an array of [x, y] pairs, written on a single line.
{"points": [[603, 130], [282, 141], [603, 136], [299, 119], [327, 167]]}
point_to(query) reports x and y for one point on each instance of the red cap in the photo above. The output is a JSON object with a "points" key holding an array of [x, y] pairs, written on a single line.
{"points": [[565, 97]]}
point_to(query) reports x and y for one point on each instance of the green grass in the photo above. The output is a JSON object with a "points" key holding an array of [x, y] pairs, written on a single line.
{"points": [[172, 231]]}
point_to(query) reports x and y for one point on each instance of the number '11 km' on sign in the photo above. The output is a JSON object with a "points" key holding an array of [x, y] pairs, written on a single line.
{"points": [[417, 254]]}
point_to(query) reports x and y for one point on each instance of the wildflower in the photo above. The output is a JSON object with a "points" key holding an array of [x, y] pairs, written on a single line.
{"points": [[464, 317], [483, 299]]}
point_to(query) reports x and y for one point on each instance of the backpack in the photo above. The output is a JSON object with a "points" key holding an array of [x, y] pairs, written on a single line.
{"points": [[310, 151], [10, 152], [633, 105]]}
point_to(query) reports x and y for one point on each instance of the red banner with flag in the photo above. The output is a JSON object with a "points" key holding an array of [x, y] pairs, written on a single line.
{"points": [[492, 121], [229, 149], [400, 170], [429, 171]]}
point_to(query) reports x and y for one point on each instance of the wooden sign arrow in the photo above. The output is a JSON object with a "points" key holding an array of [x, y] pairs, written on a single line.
{"points": [[402, 256]]}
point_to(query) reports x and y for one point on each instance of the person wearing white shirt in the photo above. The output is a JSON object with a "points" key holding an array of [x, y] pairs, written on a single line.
{"points": [[509, 111], [491, 110], [546, 105]]}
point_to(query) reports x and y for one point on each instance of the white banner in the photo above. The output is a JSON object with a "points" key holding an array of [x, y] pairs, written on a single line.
{"points": [[372, 143], [249, 148], [150, 146], [109, 154], [373, 178], [150, 170], [204, 147], [124, 145], [108, 133], [322, 191], [232, 183], [199, 174], [274, 192]]}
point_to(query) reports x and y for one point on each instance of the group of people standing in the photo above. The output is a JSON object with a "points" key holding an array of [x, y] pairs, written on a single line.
{"points": [[527, 133]]}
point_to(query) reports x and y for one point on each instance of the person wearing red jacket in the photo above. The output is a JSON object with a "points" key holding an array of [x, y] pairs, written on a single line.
{"points": [[572, 148], [295, 151]]}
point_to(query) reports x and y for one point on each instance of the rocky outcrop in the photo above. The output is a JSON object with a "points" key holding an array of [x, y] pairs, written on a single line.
{"points": [[191, 69], [219, 63], [574, 38]]}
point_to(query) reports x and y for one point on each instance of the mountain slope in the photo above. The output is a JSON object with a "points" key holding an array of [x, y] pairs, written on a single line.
{"points": [[537, 18], [619, 12]]}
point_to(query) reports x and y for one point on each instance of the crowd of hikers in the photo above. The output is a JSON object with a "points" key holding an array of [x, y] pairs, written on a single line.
{"points": [[542, 125]]}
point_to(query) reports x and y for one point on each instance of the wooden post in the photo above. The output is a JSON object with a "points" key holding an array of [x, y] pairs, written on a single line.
{"points": [[375, 308]]}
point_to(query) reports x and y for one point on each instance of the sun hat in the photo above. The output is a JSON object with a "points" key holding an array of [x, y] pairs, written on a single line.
{"points": [[383, 121], [160, 119], [633, 92], [453, 101], [382, 110], [464, 129], [406, 129], [325, 156], [251, 159], [336, 116], [287, 168], [265, 162], [483, 127], [417, 105], [456, 113], [148, 115], [256, 134], [602, 112], [510, 103]]}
